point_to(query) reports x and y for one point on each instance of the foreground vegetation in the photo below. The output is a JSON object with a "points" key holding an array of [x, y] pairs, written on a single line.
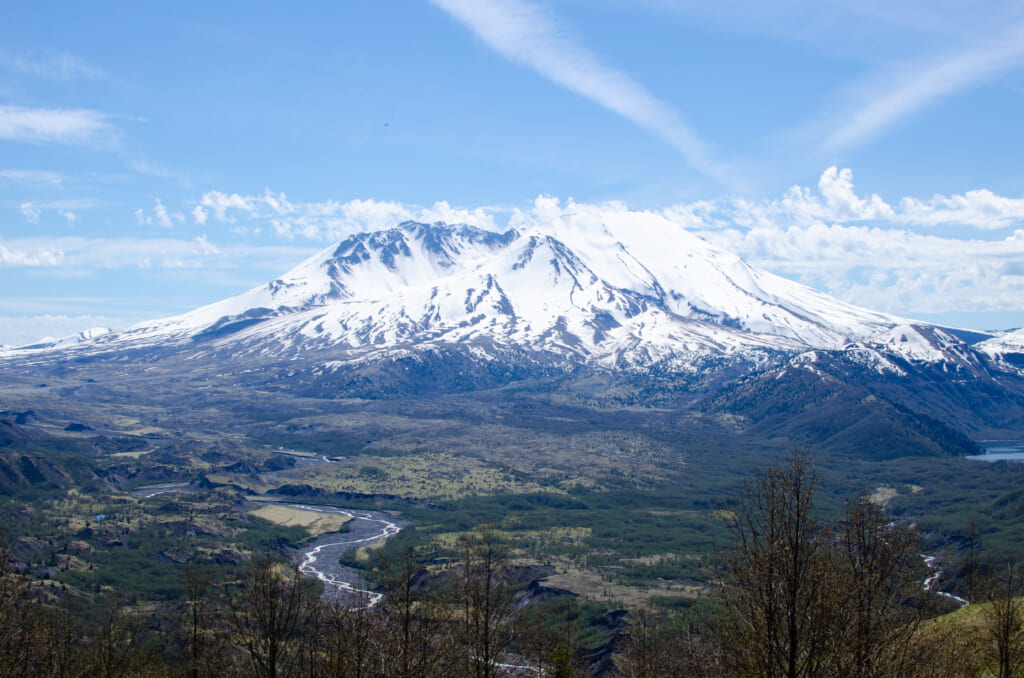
{"points": [[799, 594], [613, 525]]}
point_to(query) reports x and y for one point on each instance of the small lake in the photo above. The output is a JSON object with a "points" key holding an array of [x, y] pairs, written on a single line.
{"points": [[1001, 450]]}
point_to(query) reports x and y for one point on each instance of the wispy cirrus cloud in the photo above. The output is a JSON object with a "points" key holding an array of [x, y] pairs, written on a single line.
{"points": [[56, 125], [916, 53], [527, 34], [32, 176], [885, 101], [50, 64], [85, 253], [145, 166]]}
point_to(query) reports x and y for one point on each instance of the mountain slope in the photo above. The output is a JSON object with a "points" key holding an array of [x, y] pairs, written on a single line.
{"points": [[1006, 350]]}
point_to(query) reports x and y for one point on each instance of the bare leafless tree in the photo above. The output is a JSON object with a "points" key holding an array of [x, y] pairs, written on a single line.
{"points": [[485, 598], [1004, 621], [658, 647], [415, 620], [810, 598], [267, 609], [62, 637], [877, 593], [115, 644], [547, 638], [777, 608], [18, 621], [201, 627], [347, 640]]}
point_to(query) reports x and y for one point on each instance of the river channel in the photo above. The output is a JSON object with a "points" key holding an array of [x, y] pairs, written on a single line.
{"points": [[320, 557]]}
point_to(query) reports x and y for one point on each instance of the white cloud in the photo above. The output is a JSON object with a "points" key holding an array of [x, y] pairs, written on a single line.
{"points": [[525, 33], [30, 212], [32, 176], [160, 215], [980, 208], [837, 188], [70, 126], [51, 65], [838, 202], [84, 254], [148, 167], [327, 220], [205, 246], [882, 103], [278, 204], [221, 203], [30, 257], [70, 216], [442, 211]]}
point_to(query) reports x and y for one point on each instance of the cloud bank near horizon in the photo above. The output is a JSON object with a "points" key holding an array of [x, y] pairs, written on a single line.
{"points": [[904, 257]]}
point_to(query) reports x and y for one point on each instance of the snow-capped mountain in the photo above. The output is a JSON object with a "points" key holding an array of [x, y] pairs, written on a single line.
{"points": [[64, 342], [623, 308], [918, 344], [620, 290], [1006, 344], [631, 289]]}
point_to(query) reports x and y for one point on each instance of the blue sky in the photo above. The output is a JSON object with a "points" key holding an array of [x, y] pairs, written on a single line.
{"points": [[153, 159]]}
